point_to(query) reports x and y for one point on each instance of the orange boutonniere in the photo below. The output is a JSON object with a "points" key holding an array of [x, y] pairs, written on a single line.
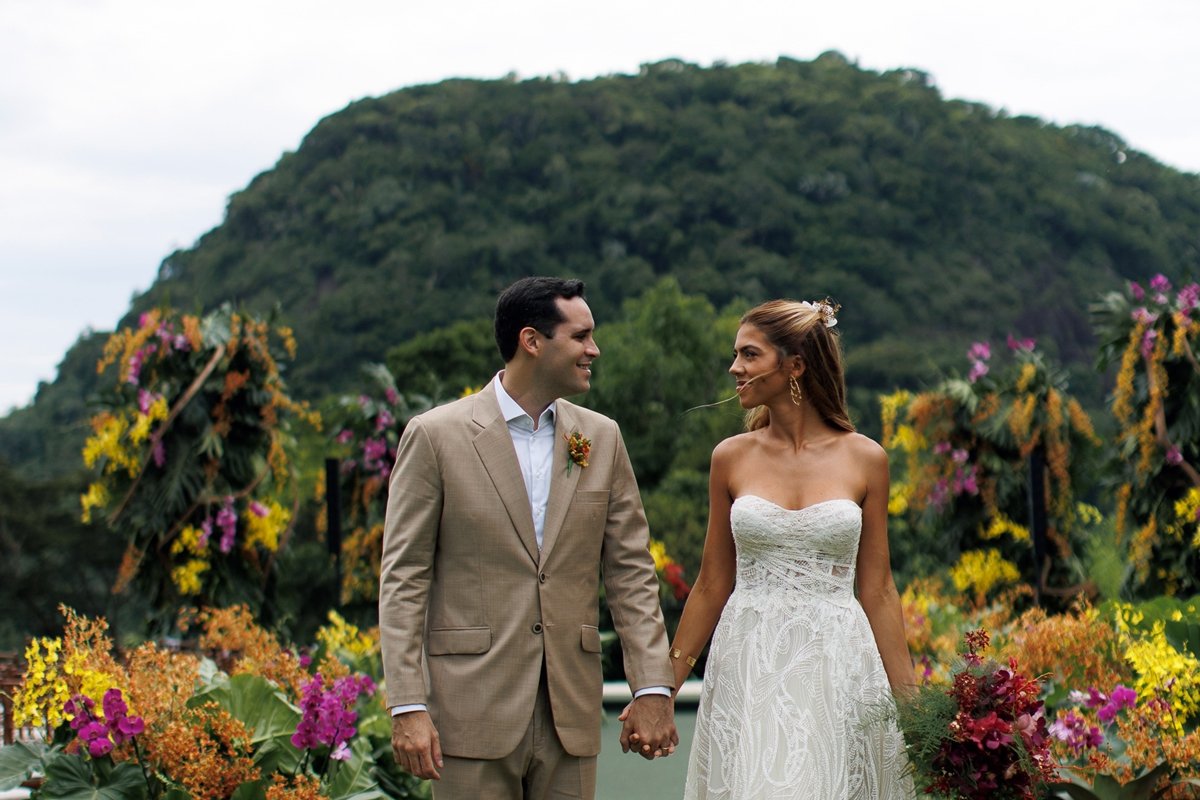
{"points": [[579, 447]]}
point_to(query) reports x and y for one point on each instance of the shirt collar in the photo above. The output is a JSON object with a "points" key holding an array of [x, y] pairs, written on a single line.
{"points": [[512, 411]]}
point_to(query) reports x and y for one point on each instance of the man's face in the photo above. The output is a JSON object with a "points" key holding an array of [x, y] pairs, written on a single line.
{"points": [[565, 366]]}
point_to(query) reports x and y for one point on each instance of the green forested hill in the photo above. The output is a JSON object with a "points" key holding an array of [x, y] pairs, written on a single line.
{"points": [[933, 221]]}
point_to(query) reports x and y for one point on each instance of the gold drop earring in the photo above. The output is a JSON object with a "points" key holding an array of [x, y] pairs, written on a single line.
{"points": [[794, 388]]}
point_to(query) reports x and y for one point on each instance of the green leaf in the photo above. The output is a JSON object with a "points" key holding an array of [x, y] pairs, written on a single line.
{"points": [[70, 778], [1072, 791], [250, 790], [18, 760], [353, 780]]}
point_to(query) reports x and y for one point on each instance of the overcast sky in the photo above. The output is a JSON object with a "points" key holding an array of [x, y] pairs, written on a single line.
{"points": [[126, 124]]}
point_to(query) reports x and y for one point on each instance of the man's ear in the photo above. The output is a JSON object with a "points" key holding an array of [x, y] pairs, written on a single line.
{"points": [[530, 340]]}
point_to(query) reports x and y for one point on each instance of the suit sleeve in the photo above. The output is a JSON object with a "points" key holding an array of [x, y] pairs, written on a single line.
{"points": [[631, 583], [414, 511]]}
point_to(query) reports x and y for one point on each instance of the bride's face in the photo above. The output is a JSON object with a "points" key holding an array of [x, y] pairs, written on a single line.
{"points": [[756, 367]]}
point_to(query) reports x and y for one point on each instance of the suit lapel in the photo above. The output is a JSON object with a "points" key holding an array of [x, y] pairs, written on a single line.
{"points": [[495, 448], [562, 484]]}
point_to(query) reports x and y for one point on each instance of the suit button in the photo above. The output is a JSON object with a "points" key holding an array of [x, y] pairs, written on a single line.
{"points": [[537, 627], [541, 577]]}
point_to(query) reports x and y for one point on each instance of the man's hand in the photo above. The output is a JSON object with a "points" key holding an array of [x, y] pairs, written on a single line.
{"points": [[415, 744], [649, 728]]}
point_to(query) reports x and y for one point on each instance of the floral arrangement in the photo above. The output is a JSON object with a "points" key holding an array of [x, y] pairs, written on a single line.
{"points": [[984, 737], [245, 717], [191, 453], [963, 470], [579, 449], [670, 573], [365, 432], [1153, 333]]}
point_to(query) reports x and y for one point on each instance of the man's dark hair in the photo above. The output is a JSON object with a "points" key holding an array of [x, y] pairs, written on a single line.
{"points": [[531, 303]]}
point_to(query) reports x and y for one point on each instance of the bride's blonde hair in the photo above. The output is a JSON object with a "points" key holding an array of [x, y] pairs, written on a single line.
{"points": [[805, 330]]}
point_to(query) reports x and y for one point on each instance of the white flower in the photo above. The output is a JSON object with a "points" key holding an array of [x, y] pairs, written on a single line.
{"points": [[824, 309]]}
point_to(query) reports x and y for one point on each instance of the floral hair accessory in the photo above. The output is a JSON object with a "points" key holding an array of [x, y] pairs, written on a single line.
{"points": [[826, 309], [579, 447]]}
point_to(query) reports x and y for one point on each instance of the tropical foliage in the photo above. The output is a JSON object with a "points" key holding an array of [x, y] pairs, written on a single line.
{"points": [[191, 455], [243, 716], [1153, 333], [964, 450]]}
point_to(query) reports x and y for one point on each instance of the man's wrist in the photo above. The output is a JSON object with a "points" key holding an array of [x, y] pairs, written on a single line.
{"points": [[664, 691]]}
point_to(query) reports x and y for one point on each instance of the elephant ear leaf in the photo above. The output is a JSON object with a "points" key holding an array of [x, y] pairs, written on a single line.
{"points": [[18, 760], [353, 779], [70, 778]]}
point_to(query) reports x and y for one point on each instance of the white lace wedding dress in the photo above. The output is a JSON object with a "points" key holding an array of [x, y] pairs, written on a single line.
{"points": [[795, 700]]}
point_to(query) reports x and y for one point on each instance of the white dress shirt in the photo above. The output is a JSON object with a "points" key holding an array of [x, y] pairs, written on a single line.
{"points": [[534, 443]]}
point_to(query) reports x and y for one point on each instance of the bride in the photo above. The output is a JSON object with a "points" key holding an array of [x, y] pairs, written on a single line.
{"points": [[810, 639]]}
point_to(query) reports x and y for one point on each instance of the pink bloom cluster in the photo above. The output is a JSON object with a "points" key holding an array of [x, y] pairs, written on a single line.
{"points": [[978, 354], [1023, 345], [227, 522], [964, 480], [1187, 299], [377, 456], [169, 339], [99, 737], [328, 714], [1075, 730]]}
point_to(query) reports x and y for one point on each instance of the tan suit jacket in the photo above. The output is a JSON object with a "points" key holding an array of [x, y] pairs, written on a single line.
{"points": [[469, 609]]}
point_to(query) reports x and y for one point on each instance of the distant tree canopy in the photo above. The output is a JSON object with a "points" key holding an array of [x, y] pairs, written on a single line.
{"points": [[933, 222]]}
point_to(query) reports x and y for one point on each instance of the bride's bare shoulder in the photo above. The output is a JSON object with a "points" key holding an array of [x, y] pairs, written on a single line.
{"points": [[865, 449], [735, 446]]}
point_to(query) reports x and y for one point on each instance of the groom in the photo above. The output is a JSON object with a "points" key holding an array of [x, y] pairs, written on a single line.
{"points": [[503, 509]]}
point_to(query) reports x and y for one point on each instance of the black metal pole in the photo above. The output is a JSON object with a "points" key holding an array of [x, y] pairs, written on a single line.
{"points": [[333, 518], [1037, 518]]}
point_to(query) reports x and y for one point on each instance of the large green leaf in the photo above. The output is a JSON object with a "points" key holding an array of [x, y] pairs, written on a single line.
{"points": [[250, 790], [70, 778], [353, 779], [17, 760], [1105, 787], [261, 706]]}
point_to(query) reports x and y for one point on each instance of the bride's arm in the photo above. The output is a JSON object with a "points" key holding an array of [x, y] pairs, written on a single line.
{"points": [[876, 588], [718, 567]]}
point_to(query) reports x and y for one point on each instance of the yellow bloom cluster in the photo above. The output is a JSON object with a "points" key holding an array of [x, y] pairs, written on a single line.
{"points": [[96, 497], [142, 423], [1164, 671], [108, 431], [899, 496], [1028, 373], [43, 690], [1001, 525], [890, 406], [1088, 514], [659, 551], [340, 636], [981, 571], [908, 440], [1187, 517], [266, 530], [92, 682], [186, 576]]}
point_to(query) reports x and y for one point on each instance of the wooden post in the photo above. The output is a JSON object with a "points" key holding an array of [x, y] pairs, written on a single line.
{"points": [[333, 517], [1037, 518]]}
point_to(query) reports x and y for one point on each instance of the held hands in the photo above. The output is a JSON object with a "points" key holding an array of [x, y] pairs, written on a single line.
{"points": [[415, 744], [649, 728]]}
